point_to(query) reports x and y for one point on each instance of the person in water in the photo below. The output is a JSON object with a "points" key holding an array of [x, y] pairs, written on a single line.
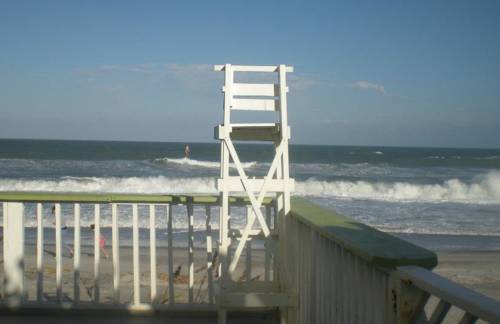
{"points": [[102, 242], [187, 152]]}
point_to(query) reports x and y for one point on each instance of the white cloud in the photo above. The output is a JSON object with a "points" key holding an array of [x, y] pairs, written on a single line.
{"points": [[301, 82], [367, 85], [197, 76]]}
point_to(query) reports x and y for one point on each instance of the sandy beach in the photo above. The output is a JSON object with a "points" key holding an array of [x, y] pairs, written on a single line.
{"points": [[200, 291], [478, 270]]}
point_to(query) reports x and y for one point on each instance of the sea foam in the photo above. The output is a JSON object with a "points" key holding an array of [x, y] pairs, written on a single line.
{"points": [[198, 163], [485, 189]]}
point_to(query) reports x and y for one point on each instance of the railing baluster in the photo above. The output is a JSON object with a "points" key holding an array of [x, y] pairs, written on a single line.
{"points": [[135, 243], [209, 255], [76, 255], [375, 296], [152, 251], [345, 286], [229, 256], [39, 252], [190, 252], [267, 255], [338, 285], [97, 251], [248, 269], [275, 250], [171, 295], [440, 312], [354, 282], [116, 253], [468, 319], [58, 253]]}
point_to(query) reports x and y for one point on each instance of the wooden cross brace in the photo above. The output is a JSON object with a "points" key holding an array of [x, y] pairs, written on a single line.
{"points": [[256, 202]]}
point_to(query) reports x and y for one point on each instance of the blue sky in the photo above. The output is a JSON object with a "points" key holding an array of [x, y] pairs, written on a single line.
{"points": [[421, 73]]}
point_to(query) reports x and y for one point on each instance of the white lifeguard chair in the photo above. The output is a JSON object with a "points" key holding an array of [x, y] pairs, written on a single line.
{"points": [[277, 182]]}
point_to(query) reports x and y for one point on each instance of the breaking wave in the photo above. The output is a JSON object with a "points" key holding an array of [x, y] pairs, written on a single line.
{"points": [[159, 184], [485, 189], [198, 163]]}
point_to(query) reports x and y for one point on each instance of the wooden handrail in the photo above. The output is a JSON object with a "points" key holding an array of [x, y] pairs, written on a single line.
{"points": [[464, 298], [378, 248]]}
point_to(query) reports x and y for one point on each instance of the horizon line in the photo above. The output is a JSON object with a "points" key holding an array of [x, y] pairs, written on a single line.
{"points": [[251, 143]]}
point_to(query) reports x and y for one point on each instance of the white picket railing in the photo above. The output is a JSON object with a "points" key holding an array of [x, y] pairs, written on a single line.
{"points": [[22, 290], [341, 271]]}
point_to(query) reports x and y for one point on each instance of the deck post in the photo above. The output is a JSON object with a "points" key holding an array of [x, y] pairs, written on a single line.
{"points": [[406, 302], [13, 249]]}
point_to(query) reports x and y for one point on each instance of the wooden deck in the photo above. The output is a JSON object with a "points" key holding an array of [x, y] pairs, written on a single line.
{"points": [[66, 317]]}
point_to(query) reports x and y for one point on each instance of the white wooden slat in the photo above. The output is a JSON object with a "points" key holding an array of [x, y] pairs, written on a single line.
{"points": [[251, 68], [332, 284], [76, 255], [255, 89], [255, 104], [276, 229], [345, 286], [115, 237], [230, 248], [13, 254], [97, 252], [58, 253], [377, 318], [338, 284], [39, 253], [210, 271], [352, 296], [152, 251], [357, 295], [267, 254], [190, 253], [135, 252], [254, 185], [250, 132], [284, 139], [248, 269], [224, 217], [171, 295]]}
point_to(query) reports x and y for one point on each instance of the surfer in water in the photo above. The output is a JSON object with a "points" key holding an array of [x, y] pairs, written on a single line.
{"points": [[187, 152]]}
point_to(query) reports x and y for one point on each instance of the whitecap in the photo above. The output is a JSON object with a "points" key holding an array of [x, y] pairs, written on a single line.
{"points": [[198, 163]]}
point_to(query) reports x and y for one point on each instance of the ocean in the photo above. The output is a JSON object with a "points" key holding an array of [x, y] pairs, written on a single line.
{"points": [[441, 198]]}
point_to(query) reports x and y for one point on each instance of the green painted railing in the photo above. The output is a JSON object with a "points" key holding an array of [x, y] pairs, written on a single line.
{"points": [[76, 197], [376, 247]]}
